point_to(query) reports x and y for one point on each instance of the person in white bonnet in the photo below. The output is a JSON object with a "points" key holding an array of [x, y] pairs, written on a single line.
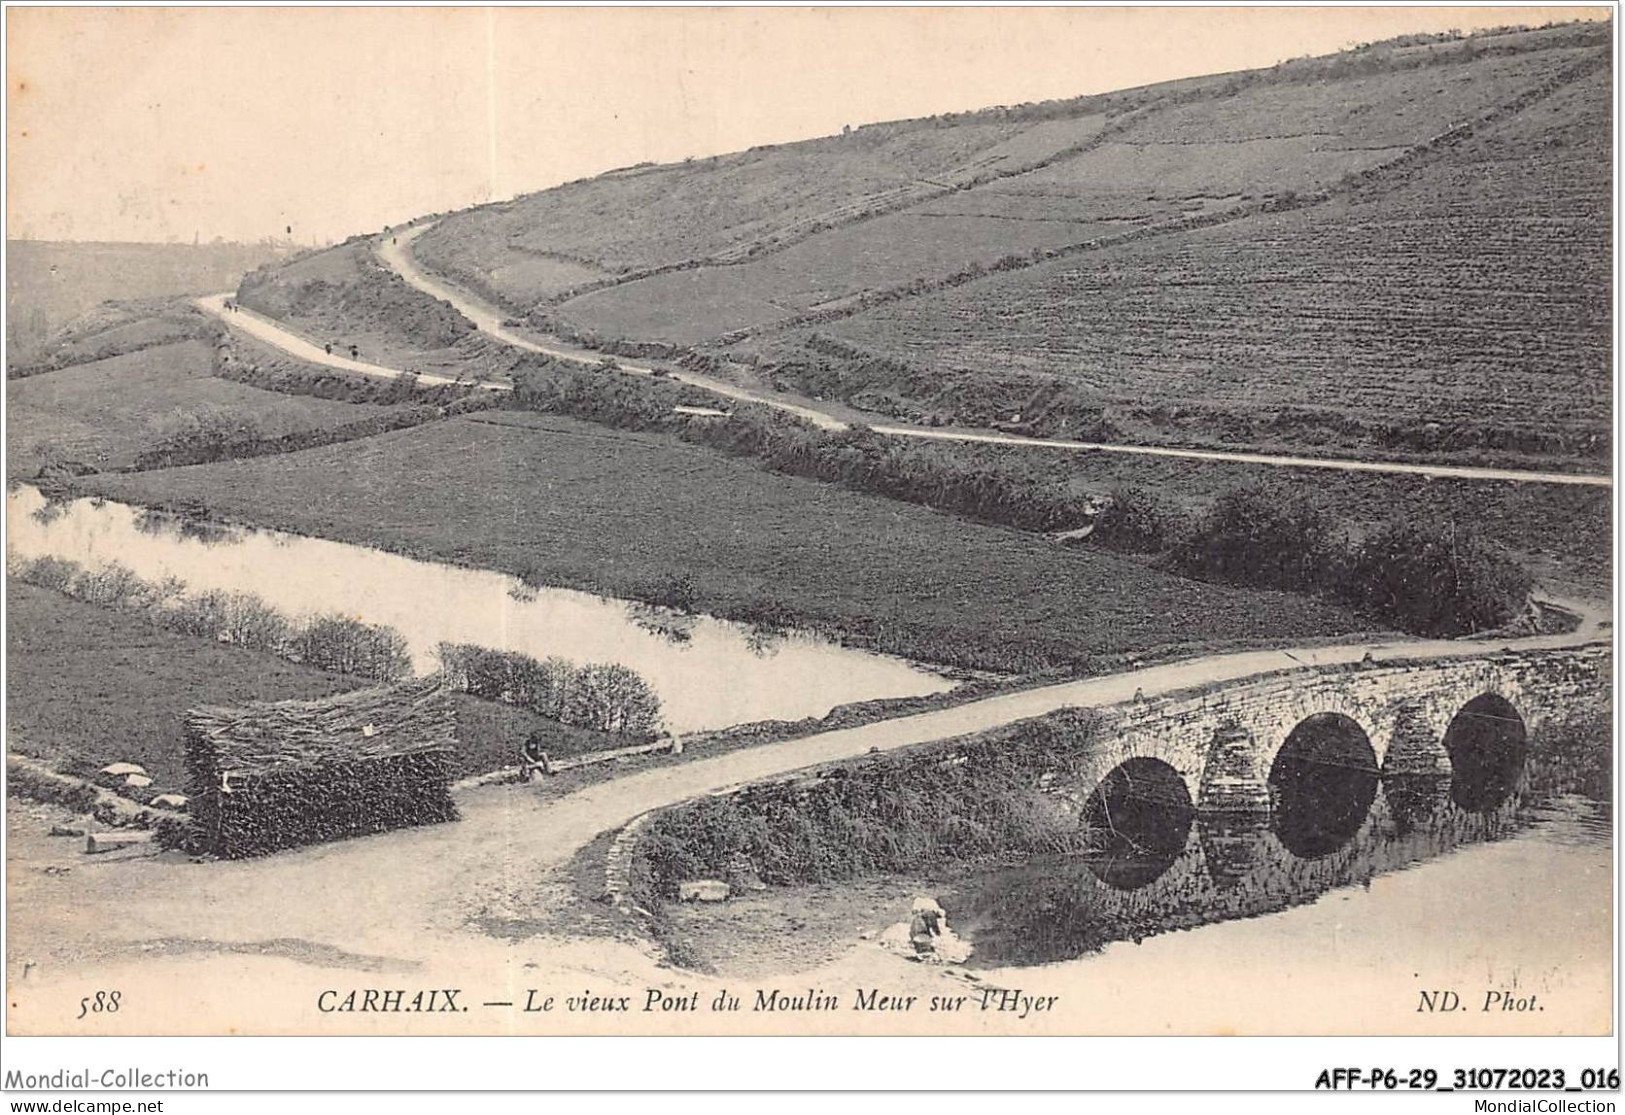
{"points": [[925, 936]]}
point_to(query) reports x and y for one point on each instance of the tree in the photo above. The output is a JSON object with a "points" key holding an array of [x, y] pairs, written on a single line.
{"points": [[1258, 537], [1136, 520]]}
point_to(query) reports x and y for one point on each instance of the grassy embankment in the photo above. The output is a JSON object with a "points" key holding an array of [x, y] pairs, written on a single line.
{"points": [[88, 686], [106, 413], [566, 503]]}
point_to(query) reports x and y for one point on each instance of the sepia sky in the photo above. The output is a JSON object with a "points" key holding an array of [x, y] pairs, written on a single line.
{"points": [[238, 123]]}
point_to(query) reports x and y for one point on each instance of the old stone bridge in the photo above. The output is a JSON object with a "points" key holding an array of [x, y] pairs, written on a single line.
{"points": [[1275, 769], [1234, 747]]}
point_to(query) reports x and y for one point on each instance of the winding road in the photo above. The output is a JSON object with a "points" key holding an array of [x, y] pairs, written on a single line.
{"points": [[554, 829], [278, 335], [396, 252]]}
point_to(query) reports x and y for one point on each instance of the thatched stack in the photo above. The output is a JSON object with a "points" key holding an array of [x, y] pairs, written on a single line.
{"points": [[284, 774]]}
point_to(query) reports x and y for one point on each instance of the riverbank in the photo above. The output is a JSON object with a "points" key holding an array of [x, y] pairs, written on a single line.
{"points": [[636, 516], [88, 686]]}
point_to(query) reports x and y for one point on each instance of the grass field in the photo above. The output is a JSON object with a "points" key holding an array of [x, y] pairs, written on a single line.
{"points": [[1183, 160], [664, 215], [686, 307], [576, 505], [775, 232], [89, 685], [1472, 292], [107, 412]]}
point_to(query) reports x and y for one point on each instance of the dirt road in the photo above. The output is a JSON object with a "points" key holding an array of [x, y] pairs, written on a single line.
{"points": [[396, 252], [416, 900], [278, 335]]}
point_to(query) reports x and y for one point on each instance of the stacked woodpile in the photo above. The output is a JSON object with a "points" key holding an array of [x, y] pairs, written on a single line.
{"points": [[284, 774]]}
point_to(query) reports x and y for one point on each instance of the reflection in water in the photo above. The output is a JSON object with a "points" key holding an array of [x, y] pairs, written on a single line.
{"points": [[160, 524], [763, 642], [677, 628], [1322, 784], [49, 511], [1487, 744], [1416, 800], [718, 675], [1060, 907], [1143, 813]]}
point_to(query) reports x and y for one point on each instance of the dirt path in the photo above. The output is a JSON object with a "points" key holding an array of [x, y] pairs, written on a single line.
{"points": [[278, 335], [425, 900], [396, 252]]}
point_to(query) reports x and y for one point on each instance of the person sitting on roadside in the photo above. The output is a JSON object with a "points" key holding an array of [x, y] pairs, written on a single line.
{"points": [[533, 758]]}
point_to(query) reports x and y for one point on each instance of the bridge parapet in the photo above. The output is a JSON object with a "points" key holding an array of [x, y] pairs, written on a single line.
{"points": [[1223, 740]]}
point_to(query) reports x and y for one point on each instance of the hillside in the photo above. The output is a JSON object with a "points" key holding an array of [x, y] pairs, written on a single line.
{"points": [[51, 283], [1389, 248]]}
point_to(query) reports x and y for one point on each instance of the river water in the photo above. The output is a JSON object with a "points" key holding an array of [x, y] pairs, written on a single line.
{"points": [[1509, 911], [1213, 870], [708, 673], [1242, 926]]}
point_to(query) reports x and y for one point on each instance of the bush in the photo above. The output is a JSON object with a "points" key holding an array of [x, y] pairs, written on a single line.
{"points": [[1136, 520], [1436, 580], [348, 646], [48, 572], [204, 614], [1256, 537], [508, 677], [112, 586], [602, 697], [897, 812], [609, 697], [1439, 581], [248, 621], [209, 433]]}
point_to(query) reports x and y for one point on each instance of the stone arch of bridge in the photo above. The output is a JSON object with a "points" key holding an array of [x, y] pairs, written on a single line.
{"points": [[1322, 783], [1487, 742], [1225, 745]]}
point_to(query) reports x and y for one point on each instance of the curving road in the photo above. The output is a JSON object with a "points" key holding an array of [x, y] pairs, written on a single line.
{"points": [[396, 252], [278, 335], [573, 821]]}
